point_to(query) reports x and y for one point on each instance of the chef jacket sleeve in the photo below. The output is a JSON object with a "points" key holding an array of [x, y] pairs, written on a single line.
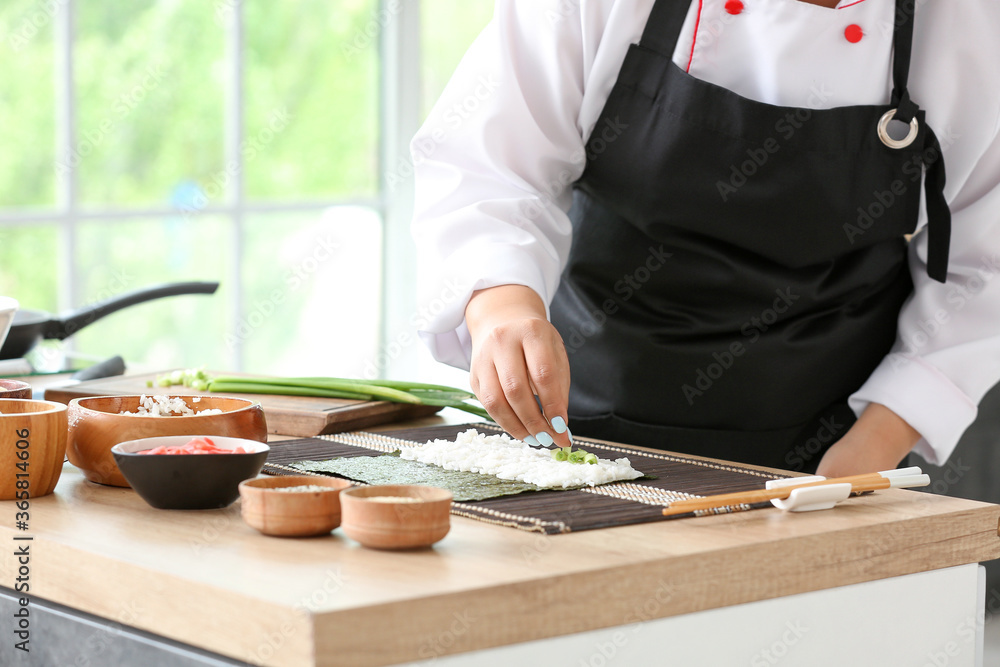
{"points": [[493, 166], [947, 355]]}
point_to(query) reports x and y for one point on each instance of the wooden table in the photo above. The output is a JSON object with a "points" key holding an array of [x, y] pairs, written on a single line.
{"points": [[757, 585]]}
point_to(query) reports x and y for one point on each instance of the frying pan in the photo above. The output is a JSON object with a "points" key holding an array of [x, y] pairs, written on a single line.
{"points": [[31, 326]]}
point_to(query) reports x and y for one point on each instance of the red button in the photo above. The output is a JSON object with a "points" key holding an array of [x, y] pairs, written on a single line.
{"points": [[853, 33], [734, 7]]}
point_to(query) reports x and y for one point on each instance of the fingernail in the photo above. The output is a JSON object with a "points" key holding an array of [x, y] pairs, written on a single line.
{"points": [[544, 438], [569, 434], [530, 439], [559, 424]]}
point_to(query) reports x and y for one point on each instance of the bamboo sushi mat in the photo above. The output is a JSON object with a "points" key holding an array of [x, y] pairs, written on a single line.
{"points": [[551, 512]]}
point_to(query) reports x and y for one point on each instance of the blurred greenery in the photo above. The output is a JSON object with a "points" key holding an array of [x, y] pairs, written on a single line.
{"points": [[27, 107], [151, 90], [29, 264], [314, 60], [448, 27], [123, 255], [150, 106]]}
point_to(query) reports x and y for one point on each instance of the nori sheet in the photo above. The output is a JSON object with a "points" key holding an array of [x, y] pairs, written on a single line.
{"points": [[391, 469]]}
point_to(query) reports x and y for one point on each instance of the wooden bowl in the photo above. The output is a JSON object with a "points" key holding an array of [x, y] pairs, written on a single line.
{"points": [[396, 525], [14, 389], [95, 426], [32, 447], [188, 481], [292, 513]]}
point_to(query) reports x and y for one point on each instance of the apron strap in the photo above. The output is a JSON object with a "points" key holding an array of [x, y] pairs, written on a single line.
{"points": [[938, 213], [664, 26], [902, 48]]}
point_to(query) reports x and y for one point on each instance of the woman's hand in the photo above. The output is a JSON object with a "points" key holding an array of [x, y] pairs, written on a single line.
{"points": [[516, 355], [878, 441]]}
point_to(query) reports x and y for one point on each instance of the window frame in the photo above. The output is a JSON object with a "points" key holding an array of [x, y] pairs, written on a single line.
{"points": [[399, 103]]}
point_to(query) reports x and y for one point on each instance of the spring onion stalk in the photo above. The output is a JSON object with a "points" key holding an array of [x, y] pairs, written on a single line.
{"points": [[412, 387], [360, 386], [370, 388], [250, 388], [446, 402], [415, 393]]}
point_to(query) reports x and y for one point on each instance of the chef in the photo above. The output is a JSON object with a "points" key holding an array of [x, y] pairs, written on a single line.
{"points": [[759, 230]]}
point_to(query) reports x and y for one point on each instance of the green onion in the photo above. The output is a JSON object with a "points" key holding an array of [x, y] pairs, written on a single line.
{"points": [[196, 378], [571, 455], [250, 388], [415, 393], [397, 391], [266, 385]]}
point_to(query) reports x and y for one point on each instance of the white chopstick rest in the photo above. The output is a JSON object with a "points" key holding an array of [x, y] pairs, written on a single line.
{"points": [[810, 498], [824, 497], [813, 498]]}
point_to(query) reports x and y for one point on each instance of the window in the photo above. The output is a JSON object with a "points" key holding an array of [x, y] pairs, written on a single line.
{"points": [[242, 141]]}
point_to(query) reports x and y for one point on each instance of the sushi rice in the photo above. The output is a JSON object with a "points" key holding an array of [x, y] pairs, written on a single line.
{"points": [[506, 458]]}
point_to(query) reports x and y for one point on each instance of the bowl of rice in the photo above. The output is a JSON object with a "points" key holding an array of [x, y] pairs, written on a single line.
{"points": [[292, 506], [98, 423]]}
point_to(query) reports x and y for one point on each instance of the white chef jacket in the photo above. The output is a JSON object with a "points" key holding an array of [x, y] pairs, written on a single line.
{"points": [[496, 158]]}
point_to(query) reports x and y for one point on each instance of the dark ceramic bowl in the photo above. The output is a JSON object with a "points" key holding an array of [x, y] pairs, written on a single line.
{"points": [[188, 481]]}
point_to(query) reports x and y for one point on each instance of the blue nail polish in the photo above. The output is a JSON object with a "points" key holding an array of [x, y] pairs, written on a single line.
{"points": [[530, 440], [569, 434], [544, 438], [559, 424]]}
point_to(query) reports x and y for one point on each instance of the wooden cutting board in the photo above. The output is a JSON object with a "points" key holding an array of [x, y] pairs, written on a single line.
{"points": [[286, 415]]}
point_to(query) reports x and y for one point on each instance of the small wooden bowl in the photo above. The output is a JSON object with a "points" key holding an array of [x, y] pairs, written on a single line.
{"points": [[95, 426], [292, 513], [32, 446], [15, 389], [396, 525]]}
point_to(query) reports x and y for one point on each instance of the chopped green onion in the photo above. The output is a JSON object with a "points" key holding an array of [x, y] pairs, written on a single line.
{"points": [[571, 455], [190, 377]]}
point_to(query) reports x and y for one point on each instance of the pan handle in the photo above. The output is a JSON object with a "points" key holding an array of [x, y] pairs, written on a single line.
{"points": [[64, 326]]}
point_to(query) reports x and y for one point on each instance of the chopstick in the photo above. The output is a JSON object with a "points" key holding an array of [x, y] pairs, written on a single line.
{"points": [[905, 478]]}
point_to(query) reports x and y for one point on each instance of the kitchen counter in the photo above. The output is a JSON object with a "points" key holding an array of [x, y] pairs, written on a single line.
{"points": [[206, 580]]}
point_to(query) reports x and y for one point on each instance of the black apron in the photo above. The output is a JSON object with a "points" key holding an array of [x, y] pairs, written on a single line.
{"points": [[737, 268]]}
